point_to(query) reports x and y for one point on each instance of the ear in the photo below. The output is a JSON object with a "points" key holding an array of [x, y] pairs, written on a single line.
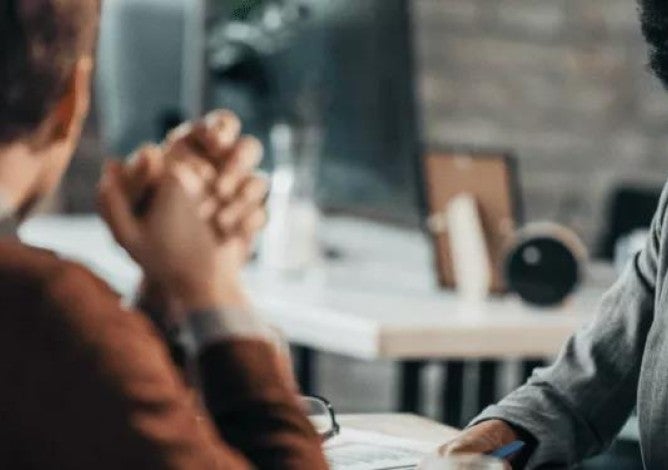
{"points": [[72, 108]]}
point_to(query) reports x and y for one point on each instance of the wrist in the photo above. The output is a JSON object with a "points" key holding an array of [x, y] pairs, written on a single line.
{"points": [[154, 299], [152, 295], [210, 294], [499, 432]]}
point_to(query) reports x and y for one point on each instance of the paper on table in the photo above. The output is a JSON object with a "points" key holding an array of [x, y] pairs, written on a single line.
{"points": [[362, 450]]}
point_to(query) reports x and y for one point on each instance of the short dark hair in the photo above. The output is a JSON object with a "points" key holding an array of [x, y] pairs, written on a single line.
{"points": [[40, 42], [654, 19]]}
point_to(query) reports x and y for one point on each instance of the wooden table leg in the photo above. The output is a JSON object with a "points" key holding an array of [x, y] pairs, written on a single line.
{"points": [[306, 363], [410, 387], [487, 383], [529, 366], [453, 393]]}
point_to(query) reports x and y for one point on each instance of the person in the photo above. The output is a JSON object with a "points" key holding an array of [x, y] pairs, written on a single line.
{"points": [[87, 380], [574, 409]]}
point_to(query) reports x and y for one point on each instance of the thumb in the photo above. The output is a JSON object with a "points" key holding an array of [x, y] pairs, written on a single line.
{"points": [[145, 166], [116, 208], [175, 201], [141, 174]]}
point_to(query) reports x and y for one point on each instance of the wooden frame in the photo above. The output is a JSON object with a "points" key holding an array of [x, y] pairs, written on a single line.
{"points": [[491, 178]]}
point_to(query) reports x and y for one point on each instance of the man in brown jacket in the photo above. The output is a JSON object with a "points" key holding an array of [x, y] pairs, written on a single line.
{"points": [[85, 382]]}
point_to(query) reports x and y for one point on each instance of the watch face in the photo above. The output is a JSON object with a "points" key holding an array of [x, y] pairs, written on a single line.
{"points": [[542, 270]]}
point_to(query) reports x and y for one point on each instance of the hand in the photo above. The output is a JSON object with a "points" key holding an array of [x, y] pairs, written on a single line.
{"points": [[226, 162], [224, 165], [482, 438], [176, 248]]}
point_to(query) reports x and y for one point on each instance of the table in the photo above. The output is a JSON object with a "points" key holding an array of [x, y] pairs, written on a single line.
{"points": [[402, 425], [376, 299]]}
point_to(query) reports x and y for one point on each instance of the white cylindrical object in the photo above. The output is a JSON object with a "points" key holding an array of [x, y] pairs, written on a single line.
{"points": [[468, 248], [290, 242]]}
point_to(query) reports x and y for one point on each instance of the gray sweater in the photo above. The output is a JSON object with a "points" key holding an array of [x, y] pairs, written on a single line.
{"points": [[576, 407]]}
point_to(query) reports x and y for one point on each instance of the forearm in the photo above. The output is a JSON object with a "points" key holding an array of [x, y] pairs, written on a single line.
{"points": [[255, 406], [556, 434], [152, 301], [206, 314], [576, 407], [249, 391]]}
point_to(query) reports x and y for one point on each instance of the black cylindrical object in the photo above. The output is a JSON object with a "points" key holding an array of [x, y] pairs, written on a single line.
{"points": [[544, 264]]}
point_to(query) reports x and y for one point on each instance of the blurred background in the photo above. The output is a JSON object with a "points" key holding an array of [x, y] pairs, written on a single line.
{"points": [[560, 83], [373, 85]]}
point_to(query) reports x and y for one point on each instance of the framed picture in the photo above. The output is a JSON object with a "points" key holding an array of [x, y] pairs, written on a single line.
{"points": [[490, 178]]}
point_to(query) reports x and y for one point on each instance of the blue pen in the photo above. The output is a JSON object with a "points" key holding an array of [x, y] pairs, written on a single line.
{"points": [[507, 451]]}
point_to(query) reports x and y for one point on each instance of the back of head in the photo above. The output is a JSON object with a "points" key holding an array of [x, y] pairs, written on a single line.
{"points": [[41, 40], [654, 18]]}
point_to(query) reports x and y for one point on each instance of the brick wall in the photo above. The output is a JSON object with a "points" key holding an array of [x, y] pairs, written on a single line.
{"points": [[563, 83]]}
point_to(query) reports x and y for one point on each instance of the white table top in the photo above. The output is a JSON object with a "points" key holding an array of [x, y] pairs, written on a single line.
{"points": [[379, 301], [404, 426]]}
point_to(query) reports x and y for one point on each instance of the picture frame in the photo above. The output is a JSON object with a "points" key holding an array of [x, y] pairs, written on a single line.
{"points": [[491, 178]]}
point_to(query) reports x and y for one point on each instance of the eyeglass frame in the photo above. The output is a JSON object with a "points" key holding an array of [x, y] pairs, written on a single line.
{"points": [[336, 428]]}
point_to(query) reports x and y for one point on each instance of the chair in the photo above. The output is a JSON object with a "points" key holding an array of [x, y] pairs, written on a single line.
{"points": [[630, 207]]}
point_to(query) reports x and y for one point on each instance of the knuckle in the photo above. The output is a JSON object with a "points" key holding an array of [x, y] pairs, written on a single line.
{"points": [[250, 144], [258, 219], [180, 132], [222, 119], [255, 189], [228, 118]]}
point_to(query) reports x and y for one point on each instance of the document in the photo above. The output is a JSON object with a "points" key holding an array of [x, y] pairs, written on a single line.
{"points": [[361, 450]]}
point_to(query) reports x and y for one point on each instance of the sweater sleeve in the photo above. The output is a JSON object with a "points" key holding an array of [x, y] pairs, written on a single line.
{"points": [[578, 405]]}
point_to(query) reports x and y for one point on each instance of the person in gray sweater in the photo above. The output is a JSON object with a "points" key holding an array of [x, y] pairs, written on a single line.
{"points": [[575, 408]]}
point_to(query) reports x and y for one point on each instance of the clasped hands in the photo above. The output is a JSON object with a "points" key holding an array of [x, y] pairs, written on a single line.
{"points": [[187, 212]]}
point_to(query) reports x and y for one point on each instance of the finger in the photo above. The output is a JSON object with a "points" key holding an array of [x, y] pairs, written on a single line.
{"points": [[254, 189], [181, 142], [207, 209], [142, 172], [246, 155], [183, 152], [229, 217], [223, 130], [188, 179], [205, 170], [244, 159], [135, 170], [179, 132], [116, 208], [443, 450], [242, 221], [213, 136], [155, 164], [252, 224], [249, 198], [466, 444]]}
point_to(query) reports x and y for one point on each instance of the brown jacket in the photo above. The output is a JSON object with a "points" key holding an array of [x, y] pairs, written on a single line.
{"points": [[88, 384]]}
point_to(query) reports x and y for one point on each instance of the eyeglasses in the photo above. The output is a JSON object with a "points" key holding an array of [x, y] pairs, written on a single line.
{"points": [[322, 416]]}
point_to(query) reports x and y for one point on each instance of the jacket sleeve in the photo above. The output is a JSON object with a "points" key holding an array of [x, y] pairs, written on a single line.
{"points": [[255, 407], [248, 387], [578, 405], [92, 385]]}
